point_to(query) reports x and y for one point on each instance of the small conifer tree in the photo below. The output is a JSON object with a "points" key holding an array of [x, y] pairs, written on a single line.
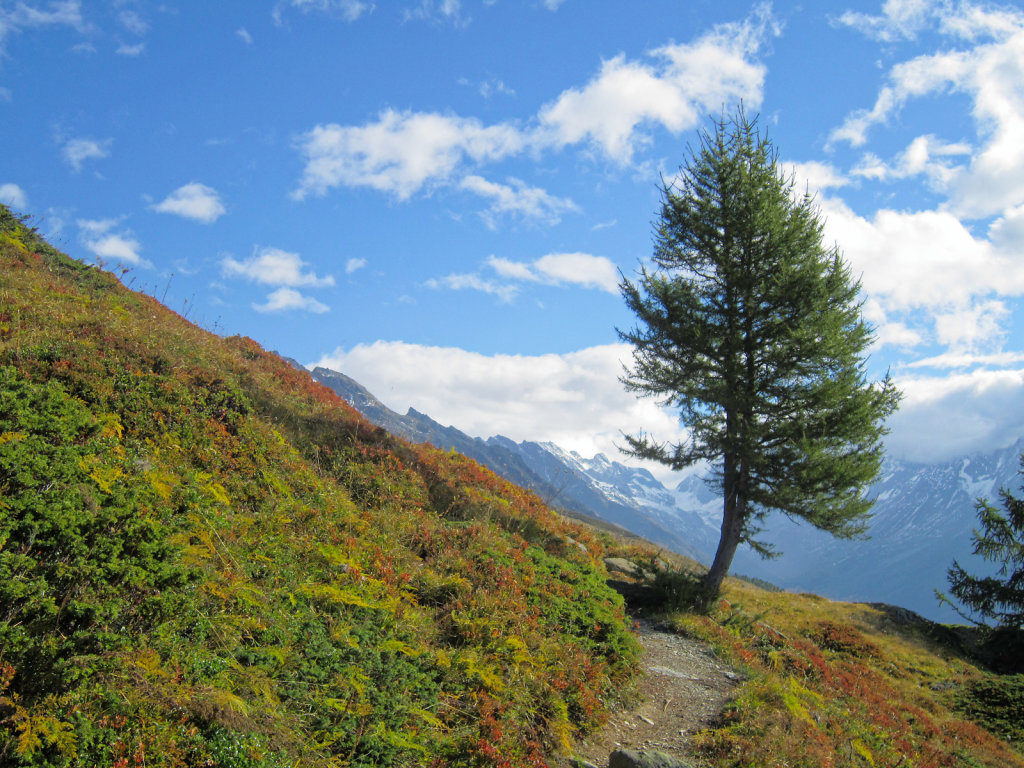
{"points": [[1000, 540]]}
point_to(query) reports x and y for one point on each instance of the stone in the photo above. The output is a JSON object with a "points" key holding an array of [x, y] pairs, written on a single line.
{"points": [[623, 566], [629, 758]]}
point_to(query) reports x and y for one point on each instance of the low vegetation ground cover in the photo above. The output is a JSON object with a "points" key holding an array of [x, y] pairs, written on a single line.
{"points": [[854, 685], [207, 559]]}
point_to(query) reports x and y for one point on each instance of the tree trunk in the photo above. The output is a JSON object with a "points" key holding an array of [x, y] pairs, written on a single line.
{"points": [[734, 507]]}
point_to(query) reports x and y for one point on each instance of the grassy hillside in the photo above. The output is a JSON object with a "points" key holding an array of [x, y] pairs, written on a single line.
{"points": [[207, 559], [848, 685]]}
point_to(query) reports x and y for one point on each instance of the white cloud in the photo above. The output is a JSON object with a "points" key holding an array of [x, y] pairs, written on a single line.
{"points": [[581, 269], [119, 247], [133, 22], [348, 10], [400, 153], [66, 13], [193, 201], [943, 417], [971, 327], [354, 265], [573, 399], [926, 156], [244, 35], [517, 197], [490, 87], [815, 177], [77, 151], [272, 266], [515, 270], [900, 19], [991, 180], [131, 50], [926, 262], [960, 360], [505, 292], [450, 10], [13, 196], [675, 90], [576, 401], [286, 299]]}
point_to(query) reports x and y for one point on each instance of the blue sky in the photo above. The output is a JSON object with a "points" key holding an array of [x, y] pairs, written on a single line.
{"points": [[436, 196]]}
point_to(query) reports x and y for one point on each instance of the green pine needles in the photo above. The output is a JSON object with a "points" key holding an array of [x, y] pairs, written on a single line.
{"points": [[752, 328], [999, 596]]}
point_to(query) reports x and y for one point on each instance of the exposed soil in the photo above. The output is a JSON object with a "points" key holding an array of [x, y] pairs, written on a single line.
{"points": [[682, 688]]}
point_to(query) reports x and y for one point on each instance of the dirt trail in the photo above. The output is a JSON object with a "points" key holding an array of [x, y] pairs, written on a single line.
{"points": [[682, 689]]}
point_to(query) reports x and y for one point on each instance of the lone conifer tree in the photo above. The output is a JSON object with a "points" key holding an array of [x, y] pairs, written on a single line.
{"points": [[753, 330]]}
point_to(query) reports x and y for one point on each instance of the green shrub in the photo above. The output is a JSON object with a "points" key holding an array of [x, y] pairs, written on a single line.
{"points": [[996, 704]]}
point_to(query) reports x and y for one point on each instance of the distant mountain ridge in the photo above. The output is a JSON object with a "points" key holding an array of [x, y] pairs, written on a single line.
{"points": [[923, 517], [597, 487]]}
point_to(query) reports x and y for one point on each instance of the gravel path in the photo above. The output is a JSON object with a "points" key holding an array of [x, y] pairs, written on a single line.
{"points": [[682, 689]]}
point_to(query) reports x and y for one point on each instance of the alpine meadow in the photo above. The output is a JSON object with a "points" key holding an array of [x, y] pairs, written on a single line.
{"points": [[207, 559]]}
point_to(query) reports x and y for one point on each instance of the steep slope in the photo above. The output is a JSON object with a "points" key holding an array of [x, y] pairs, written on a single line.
{"points": [[208, 559], [617, 494]]}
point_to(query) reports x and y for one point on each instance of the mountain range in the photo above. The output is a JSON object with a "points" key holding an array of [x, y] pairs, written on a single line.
{"points": [[922, 519]]}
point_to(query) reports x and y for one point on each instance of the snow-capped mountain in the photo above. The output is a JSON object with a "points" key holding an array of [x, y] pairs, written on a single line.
{"points": [[923, 516]]}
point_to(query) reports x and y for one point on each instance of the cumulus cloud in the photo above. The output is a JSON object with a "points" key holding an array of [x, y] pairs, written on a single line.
{"points": [[988, 68], [354, 265], [244, 35], [674, 89], [109, 243], [518, 198], [926, 265], [272, 266], [13, 196], [400, 153], [193, 201], [77, 151], [404, 152], [573, 399], [286, 299]]}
